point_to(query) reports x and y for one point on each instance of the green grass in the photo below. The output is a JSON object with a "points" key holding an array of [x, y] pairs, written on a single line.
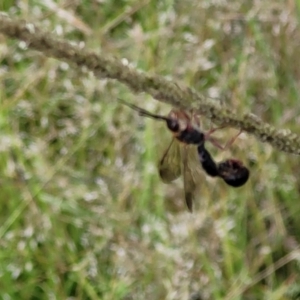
{"points": [[83, 213]]}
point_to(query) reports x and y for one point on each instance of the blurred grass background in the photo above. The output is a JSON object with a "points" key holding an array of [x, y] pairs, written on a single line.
{"points": [[83, 213]]}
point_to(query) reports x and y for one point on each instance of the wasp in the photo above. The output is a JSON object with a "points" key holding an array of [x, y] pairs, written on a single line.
{"points": [[186, 130]]}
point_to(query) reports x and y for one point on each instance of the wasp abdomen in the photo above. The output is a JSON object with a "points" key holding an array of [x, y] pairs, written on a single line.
{"points": [[207, 162], [233, 172]]}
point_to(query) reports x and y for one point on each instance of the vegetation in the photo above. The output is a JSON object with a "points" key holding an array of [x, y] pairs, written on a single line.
{"points": [[84, 215]]}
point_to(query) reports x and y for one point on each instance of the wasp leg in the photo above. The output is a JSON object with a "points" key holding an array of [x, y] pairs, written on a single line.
{"points": [[215, 142]]}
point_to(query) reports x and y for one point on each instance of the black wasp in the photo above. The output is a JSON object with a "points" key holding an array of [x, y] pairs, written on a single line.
{"points": [[184, 160]]}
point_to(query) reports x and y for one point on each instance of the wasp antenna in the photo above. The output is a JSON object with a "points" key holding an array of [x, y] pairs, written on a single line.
{"points": [[142, 111]]}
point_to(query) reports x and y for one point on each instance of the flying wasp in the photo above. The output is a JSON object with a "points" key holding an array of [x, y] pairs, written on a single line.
{"points": [[185, 160]]}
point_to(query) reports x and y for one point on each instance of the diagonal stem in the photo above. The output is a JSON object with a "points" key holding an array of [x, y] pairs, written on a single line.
{"points": [[104, 66]]}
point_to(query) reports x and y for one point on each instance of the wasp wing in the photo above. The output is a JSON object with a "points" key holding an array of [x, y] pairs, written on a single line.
{"points": [[191, 173], [169, 166]]}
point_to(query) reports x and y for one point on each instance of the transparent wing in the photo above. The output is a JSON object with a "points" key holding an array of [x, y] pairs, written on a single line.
{"points": [[169, 166], [191, 173]]}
